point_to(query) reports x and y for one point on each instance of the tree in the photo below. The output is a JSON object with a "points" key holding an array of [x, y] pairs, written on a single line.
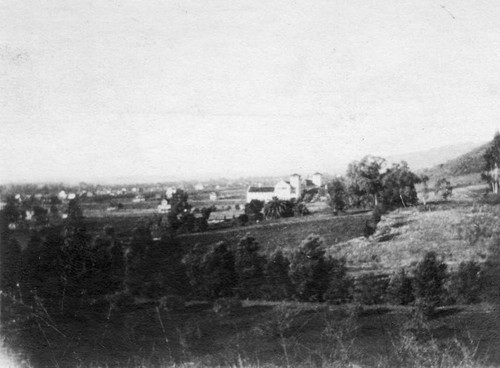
{"points": [[400, 289], [337, 192], [465, 284], [40, 215], [444, 188], [211, 272], [254, 208], [275, 208], [310, 269], [75, 213], [492, 163], [249, 265], [180, 209], [10, 212], [428, 282], [278, 285], [365, 177], [424, 179], [398, 186], [10, 264]]}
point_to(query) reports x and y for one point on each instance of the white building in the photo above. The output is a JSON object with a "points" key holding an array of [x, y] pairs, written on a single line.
{"points": [[170, 192], [62, 195], [212, 196], [317, 179], [284, 190], [163, 207], [260, 193], [138, 199], [199, 186]]}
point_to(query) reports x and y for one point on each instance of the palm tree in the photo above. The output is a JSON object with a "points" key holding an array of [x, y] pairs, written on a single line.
{"points": [[275, 208]]}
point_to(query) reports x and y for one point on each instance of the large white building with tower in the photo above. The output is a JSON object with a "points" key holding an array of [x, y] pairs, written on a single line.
{"points": [[284, 190]]}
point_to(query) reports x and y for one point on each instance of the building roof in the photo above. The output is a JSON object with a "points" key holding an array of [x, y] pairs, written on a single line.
{"points": [[260, 189]]}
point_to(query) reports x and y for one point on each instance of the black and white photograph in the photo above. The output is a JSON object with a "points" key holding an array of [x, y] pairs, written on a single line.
{"points": [[250, 184]]}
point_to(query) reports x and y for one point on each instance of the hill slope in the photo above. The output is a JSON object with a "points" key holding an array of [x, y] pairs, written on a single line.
{"points": [[430, 158], [467, 165]]}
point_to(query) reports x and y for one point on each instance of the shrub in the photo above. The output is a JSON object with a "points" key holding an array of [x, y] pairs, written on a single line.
{"points": [[430, 275], [465, 284], [400, 288]]}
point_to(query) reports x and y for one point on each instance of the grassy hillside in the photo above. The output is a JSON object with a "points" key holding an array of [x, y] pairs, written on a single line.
{"points": [[286, 234], [464, 228], [465, 169]]}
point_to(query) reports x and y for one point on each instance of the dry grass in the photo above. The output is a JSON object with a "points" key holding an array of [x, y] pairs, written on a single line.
{"points": [[461, 230]]}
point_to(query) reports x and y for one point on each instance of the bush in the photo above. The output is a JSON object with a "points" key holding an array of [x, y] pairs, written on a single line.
{"points": [[400, 288], [428, 282], [466, 284]]}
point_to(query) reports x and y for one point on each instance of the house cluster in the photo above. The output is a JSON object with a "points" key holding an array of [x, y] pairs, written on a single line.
{"points": [[286, 190]]}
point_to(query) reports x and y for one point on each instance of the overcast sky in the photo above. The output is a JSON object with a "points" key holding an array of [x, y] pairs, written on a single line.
{"points": [[93, 90]]}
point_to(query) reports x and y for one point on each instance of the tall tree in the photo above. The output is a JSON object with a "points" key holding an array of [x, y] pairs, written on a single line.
{"points": [[337, 191], [249, 265], [398, 184], [492, 163], [365, 177]]}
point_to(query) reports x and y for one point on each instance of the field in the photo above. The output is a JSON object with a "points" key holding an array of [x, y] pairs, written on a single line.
{"points": [[286, 234]]}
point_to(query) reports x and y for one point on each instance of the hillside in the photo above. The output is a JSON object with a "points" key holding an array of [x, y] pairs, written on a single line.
{"points": [[465, 168], [430, 158]]}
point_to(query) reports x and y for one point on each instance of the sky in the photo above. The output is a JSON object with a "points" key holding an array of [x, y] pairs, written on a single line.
{"points": [[93, 90]]}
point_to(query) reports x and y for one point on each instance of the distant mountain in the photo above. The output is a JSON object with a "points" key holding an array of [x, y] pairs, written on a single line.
{"points": [[436, 156], [470, 163]]}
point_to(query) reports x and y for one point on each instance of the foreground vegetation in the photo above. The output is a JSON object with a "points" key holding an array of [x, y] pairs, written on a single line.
{"points": [[419, 288], [149, 326]]}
